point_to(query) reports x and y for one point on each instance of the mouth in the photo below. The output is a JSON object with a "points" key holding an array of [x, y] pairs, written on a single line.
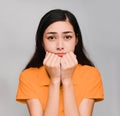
{"points": [[60, 54]]}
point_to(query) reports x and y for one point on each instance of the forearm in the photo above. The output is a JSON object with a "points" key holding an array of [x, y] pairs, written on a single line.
{"points": [[70, 105], [53, 100]]}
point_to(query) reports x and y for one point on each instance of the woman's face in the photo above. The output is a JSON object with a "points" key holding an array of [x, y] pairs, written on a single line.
{"points": [[59, 38]]}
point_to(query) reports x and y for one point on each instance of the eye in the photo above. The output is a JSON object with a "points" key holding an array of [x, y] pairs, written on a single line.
{"points": [[67, 37], [51, 37]]}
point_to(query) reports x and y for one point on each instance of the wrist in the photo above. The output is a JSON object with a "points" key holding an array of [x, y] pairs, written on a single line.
{"points": [[67, 82], [55, 82]]}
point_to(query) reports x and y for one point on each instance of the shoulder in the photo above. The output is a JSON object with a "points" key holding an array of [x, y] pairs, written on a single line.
{"points": [[35, 75], [91, 71], [86, 69], [85, 72], [30, 73]]}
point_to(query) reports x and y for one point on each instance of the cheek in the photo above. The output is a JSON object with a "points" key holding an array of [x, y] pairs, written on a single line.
{"points": [[70, 47], [49, 47], [73, 47]]}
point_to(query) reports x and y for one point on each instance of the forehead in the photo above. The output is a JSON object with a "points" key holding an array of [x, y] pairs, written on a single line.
{"points": [[59, 26]]}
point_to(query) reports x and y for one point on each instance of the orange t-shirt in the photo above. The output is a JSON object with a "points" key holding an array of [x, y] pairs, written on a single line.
{"points": [[34, 83]]}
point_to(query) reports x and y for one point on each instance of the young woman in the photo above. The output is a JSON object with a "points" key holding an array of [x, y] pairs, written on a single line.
{"points": [[60, 80]]}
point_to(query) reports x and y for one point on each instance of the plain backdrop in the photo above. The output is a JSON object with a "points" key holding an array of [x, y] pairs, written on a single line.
{"points": [[100, 25]]}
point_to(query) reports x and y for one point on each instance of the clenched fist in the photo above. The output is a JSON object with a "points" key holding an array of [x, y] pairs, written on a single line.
{"points": [[68, 65], [52, 64], [60, 68]]}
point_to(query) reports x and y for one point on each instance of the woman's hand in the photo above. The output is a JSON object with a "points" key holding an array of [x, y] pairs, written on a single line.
{"points": [[52, 64], [60, 68], [68, 64]]}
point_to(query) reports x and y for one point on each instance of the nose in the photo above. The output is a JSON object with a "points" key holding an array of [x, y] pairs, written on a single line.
{"points": [[60, 45]]}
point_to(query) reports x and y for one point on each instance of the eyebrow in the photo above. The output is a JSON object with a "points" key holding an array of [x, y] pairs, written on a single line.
{"points": [[65, 32]]}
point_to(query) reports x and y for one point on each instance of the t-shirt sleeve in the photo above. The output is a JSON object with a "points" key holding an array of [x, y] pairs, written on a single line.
{"points": [[25, 87], [94, 85]]}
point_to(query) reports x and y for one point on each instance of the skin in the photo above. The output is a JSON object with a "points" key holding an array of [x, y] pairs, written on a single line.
{"points": [[59, 42], [60, 46]]}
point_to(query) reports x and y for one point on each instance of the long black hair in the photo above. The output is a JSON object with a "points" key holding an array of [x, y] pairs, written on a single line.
{"points": [[49, 18]]}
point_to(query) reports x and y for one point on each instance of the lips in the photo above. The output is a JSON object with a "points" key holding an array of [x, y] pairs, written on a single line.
{"points": [[60, 54]]}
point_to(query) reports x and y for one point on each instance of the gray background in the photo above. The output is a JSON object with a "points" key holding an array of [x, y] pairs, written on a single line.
{"points": [[100, 25]]}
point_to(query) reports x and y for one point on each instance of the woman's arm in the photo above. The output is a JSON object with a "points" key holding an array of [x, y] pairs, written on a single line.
{"points": [[34, 107], [53, 100], [86, 107], [68, 63], [70, 106], [52, 64]]}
